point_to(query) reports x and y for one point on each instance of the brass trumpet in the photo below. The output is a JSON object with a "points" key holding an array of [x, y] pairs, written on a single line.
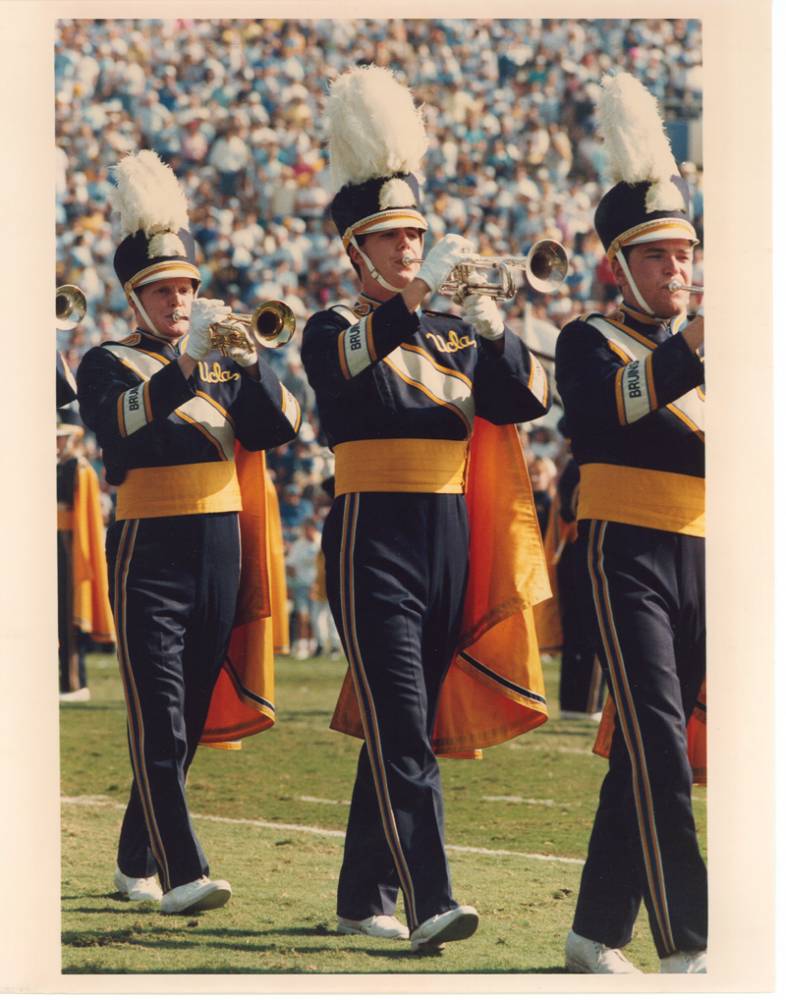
{"points": [[677, 286], [272, 324], [544, 268], [70, 306]]}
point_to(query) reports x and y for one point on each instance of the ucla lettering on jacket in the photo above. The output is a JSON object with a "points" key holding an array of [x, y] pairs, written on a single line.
{"points": [[433, 380]]}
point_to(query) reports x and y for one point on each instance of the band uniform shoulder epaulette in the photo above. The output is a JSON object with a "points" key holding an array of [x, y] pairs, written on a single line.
{"points": [[345, 311], [585, 317], [130, 341]]}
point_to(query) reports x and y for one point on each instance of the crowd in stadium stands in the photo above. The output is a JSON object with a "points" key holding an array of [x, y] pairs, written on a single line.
{"points": [[236, 108]]}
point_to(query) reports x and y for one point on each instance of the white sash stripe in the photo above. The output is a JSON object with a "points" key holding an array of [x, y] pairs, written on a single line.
{"points": [[691, 405], [538, 380], [199, 409], [444, 387], [356, 347], [291, 408], [210, 418], [143, 364]]}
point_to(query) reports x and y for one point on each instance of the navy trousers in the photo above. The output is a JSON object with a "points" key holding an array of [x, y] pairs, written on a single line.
{"points": [[71, 641], [173, 586], [646, 591], [396, 571], [581, 687]]}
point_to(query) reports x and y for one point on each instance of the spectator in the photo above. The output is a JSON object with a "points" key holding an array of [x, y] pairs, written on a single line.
{"points": [[301, 563], [295, 509], [230, 156], [543, 476], [237, 108]]}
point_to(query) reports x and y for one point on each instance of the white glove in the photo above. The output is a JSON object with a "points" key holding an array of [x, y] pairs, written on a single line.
{"points": [[204, 312], [482, 312], [244, 354], [442, 258]]}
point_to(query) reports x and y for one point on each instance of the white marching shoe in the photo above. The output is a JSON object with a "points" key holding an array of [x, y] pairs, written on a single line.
{"points": [[584, 955], [138, 890], [452, 925], [380, 925], [201, 894], [81, 694], [685, 961]]}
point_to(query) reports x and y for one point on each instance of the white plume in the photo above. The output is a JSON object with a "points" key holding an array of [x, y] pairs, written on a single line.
{"points": [[635, 141], [148, 196], [374, 128]]}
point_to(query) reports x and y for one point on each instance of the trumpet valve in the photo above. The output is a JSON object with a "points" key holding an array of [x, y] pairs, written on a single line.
{"points": [[229, 332]]}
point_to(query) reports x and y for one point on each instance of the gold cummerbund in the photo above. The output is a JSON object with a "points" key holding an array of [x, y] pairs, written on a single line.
{"points": [[401, 465], [668, 501], [65, 519], [171, 490]]}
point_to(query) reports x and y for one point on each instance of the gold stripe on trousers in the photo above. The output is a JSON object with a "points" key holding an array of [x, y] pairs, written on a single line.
{"points": [[136, 743], [368, 713], [629, 724]]}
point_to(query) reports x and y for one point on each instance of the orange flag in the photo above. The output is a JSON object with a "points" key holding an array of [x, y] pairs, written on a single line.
{"points": [[494, 687]]}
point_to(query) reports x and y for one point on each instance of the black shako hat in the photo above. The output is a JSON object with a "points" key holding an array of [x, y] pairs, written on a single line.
{"points": [[377, 204], [622, 218], [649, 200], [376, 142], [153, 217], [141, 259]]}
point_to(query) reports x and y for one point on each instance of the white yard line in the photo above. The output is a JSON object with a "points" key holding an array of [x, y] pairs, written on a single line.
{"points": [[519, 799], [323, 802], [103, 801], [530, 746]]}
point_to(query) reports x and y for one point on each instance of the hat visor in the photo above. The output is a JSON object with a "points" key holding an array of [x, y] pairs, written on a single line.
{"points": [[661, 229], [164, 270], [395, 218]]}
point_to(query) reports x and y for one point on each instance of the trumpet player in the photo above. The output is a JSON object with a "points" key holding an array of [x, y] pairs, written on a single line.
{"points": [[398, 390], [632, 386], [170, 415]]}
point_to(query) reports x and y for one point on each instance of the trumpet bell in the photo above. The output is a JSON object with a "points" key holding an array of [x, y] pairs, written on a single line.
{"points": [[70, 306], [272, 324], [547, 265]]}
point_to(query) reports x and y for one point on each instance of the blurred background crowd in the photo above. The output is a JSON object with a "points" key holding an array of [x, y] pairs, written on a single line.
{"points": [[236, 108]]}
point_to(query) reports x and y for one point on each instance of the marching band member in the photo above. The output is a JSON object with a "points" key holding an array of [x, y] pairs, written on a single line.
{"points": [[581, 686], [632, 386], [399, 391], [82, 591], [176, 423]]}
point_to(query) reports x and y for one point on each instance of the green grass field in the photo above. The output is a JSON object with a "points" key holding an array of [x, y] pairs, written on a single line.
{"points": [[271, 819]]}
